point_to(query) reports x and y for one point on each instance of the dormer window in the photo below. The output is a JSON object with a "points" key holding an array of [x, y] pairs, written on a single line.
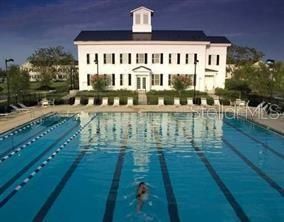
{"points": [[138, 19], [145, 19]]}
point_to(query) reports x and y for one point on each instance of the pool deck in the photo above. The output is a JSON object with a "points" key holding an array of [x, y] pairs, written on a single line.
{"points": [[7, 123]]}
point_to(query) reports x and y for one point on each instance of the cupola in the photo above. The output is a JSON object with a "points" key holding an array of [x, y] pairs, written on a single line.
{"points": [[142, 19]]}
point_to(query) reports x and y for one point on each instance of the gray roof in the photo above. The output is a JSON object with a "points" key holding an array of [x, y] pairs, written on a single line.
{"points": [[161, 35]]}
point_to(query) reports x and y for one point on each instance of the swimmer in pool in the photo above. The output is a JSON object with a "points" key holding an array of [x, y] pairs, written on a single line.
{"points": [[141, 196]]}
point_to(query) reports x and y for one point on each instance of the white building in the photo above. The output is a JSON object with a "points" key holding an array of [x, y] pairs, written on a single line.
{"points": [[61, 72], [147, 59]]}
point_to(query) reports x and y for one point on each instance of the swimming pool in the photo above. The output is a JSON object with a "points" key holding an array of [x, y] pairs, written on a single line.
{"points": [[87, 167]]}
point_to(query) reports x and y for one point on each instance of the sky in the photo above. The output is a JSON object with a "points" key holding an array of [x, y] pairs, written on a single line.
{"points": [[26, 25]]}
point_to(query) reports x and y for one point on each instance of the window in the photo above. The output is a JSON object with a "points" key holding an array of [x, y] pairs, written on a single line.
{"points": [[109, 58], [174, 58], [113, 79], [156, 79], [161, 79], [125, 58], [145, 19], [195, 57], [141, 58], [129, 79], [96, 58], [214, 60], [218, 60], [88, 58], [88, 79], [137, 19], [121, 79], [170, 80], [189, 58], [157, 58]]}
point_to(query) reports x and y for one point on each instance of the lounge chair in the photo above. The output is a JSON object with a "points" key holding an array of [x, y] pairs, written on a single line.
{"points": [[130, 101], [240, 102], [104, 101], [44, 103], [23, 106], [176, 101], [161, 101], [51, 102], [116, 101], [204, 102], [17, 109], [217, 102], [4, 116], [90, 101], [189, 101], [77, 101], [260, 105]]}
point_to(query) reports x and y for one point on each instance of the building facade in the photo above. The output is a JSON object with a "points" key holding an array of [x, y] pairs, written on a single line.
{"points": [[61, 72], [145, 59]]}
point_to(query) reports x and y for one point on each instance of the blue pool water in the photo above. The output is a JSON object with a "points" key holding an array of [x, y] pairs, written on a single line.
{"points": [[87, 167]]}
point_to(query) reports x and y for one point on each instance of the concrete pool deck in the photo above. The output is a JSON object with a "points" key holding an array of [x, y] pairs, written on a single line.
{"points": [[7, 123]]}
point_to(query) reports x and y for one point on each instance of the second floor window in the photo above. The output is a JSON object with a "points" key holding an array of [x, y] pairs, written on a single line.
{"points": [[141, 58], [109, 58]]}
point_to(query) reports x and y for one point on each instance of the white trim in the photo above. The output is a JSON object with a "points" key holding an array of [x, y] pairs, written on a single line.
{"points": [[141, 7], [92, 43]]}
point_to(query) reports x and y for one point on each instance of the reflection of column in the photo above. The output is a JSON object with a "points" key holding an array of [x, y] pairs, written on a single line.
{"points": [[141, 150], [84, 118]]}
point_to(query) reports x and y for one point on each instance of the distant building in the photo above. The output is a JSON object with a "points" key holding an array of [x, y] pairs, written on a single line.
{"points": [[146, 59], [61, 73]]}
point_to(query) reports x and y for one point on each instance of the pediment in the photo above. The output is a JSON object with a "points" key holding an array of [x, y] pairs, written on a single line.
{"points": [[143, 69]]}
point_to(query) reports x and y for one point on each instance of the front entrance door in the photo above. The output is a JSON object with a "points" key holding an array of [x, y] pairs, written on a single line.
{"points": [[141, 83]]}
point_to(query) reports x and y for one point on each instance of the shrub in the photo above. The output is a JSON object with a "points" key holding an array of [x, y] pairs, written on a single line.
{"points": [[210, 100], [181, 82], [100, 82]]}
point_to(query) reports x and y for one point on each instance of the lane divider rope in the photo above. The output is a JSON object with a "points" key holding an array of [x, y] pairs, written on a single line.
{"points": [[42, 165], [30, 142], [16, 131]]}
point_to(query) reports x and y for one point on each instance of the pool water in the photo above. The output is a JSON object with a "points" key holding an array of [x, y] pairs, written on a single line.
{"points": [[87, 167]]}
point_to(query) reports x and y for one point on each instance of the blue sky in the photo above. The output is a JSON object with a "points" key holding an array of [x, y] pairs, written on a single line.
{"points": [[26, 25]]}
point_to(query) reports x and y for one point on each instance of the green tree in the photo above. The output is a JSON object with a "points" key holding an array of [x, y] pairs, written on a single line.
{"points": [[238, 85], [99, 82], [243, 55], [46, 60], [2, 75], [181, 83], [278, 77], [18, 80], [261, 79]]}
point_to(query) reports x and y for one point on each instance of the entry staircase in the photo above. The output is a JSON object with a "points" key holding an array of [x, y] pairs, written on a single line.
{"points": [[142, 97]]}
